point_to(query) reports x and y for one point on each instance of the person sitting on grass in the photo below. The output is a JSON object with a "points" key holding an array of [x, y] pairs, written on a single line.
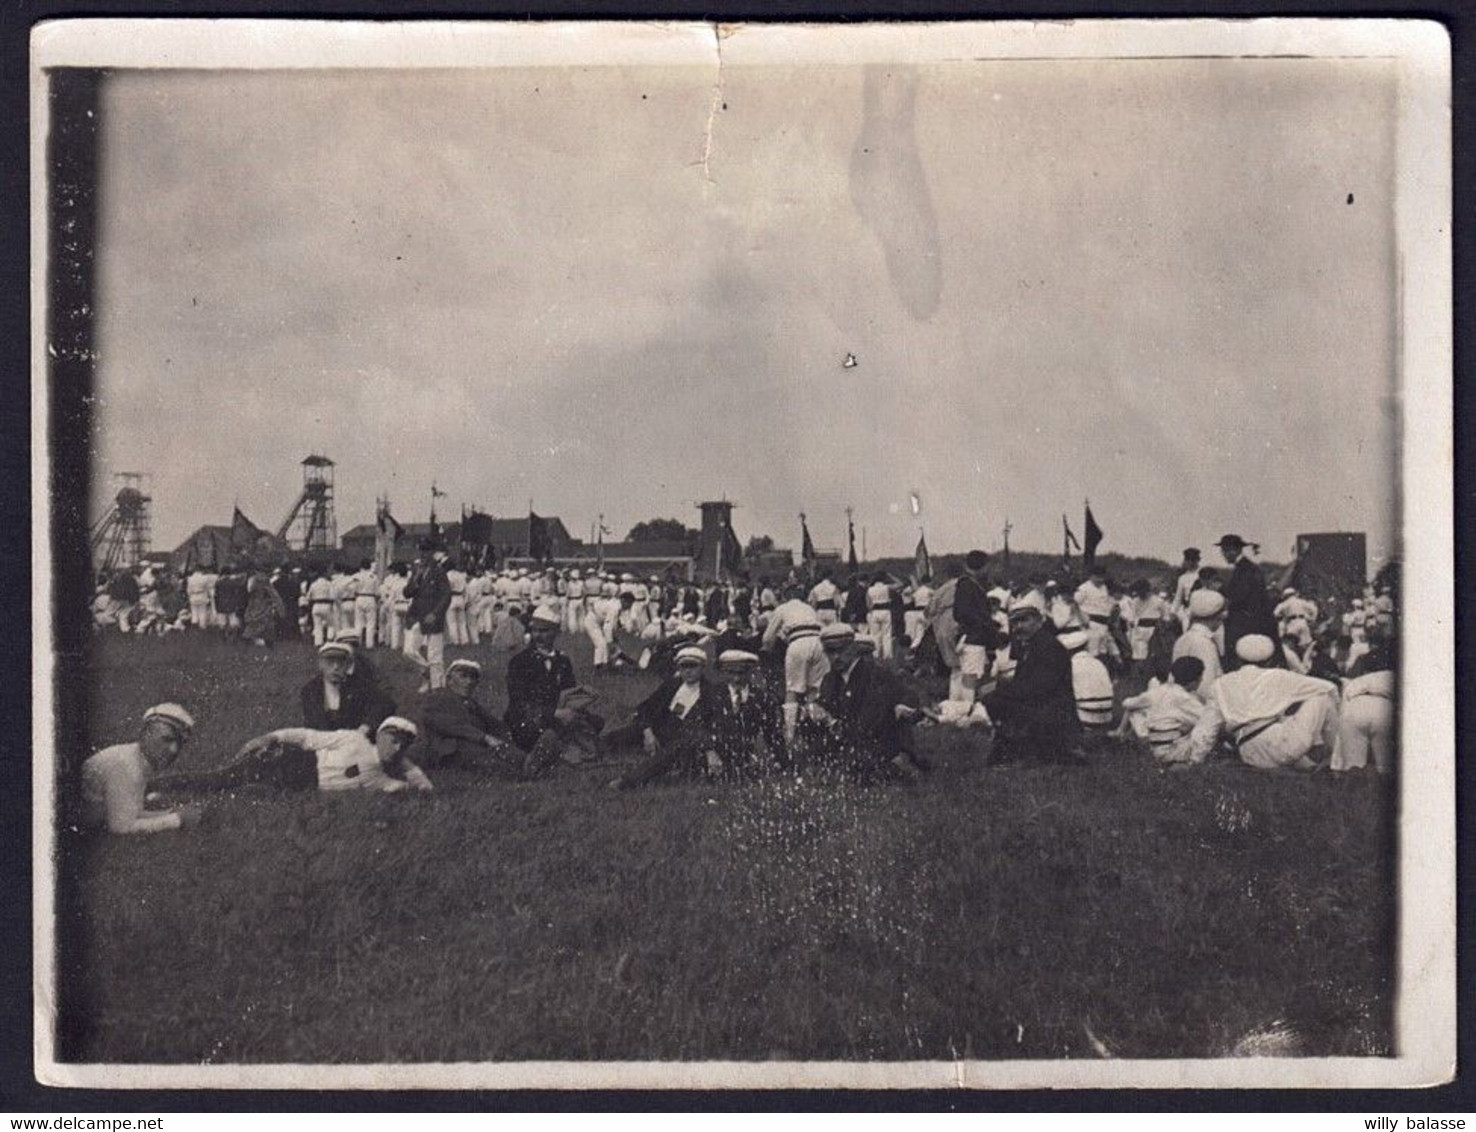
{"points": [[674, 724], [299, 758], [115, 780], [458, 731], [748, 726], [544, 704], [864, 710], [1090, 682], [1035, 710], [1275, 719], [1170, 709], [342, 697]]}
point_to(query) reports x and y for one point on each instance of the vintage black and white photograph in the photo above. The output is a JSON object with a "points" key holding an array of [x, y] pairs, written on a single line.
{"points": [[695, 554]]}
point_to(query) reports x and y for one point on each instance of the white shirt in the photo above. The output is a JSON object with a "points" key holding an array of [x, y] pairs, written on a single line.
{"points": [[346, 760], [1247, 697], [1092, 686], [792, 615], [922, 595], [685, 697], [1199, 641], [114, 782], [366, 584], [878, 594], [321, 589], [1171, 713], [823, 591], [1094, 600]]}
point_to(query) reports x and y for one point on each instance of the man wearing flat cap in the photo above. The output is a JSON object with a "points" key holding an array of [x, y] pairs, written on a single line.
{"points": [[1274, 719], [343, 696], [456, 730], [865, 709], [115, 780], [544, 716], [1247, 604], [748, 726], [675, 725], [1035, 710]]}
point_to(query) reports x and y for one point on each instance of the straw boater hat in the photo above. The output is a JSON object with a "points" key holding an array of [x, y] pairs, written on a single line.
{"points": [[462, 664], [172, 714]]}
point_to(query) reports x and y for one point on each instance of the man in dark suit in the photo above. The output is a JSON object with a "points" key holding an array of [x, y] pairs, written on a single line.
{"points": [[342, 697], [537, 678], [978, 635], [429, 593], [748, 726], [675, 725], [1248, 605], [1035, 711], [864, 706], [456, 730]]}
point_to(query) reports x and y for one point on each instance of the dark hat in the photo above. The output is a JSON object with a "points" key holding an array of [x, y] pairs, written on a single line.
{"points": [[975, 559], [1231, 540], [1191, 552]]}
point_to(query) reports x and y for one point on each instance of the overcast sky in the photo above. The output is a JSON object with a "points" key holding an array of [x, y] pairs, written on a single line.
{"points": [[1165, 285]]}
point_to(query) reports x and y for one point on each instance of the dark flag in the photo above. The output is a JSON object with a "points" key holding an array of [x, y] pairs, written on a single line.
{"points": [[1070, 541], [540, 543], [1007, 545], [244, 532], [435, 527], [732, 549], [1093, 539], [600, 547], [922, 565], [851, 539], [476, 540], [807, 548]]}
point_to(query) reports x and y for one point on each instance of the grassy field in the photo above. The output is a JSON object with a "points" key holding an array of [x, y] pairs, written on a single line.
{"points": [[1016, 912]]}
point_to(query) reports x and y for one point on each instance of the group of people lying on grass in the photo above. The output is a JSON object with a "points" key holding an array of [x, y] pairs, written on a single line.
{"points": [[860, 724]]}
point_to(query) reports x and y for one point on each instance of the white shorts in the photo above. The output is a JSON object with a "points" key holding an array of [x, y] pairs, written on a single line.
{"points": [[805, 665], [973, 660]]}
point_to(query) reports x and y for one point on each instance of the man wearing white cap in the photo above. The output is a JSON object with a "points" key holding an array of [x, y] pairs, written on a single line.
{"points": [[748, 725], [546, 715], [675, 724], [574, 602], [796, 626], [457, 730], [115, 781], [1090, 682], [865, 710], [322, 607], [1274, 719], [1036, 708], [300, 758], [824, 599], [343, 696], [1206, 615]]}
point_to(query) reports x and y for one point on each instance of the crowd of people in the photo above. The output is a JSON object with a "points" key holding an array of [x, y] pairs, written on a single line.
{"points": [[762, 676]]}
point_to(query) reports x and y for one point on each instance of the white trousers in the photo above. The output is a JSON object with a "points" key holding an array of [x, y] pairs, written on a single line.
{"points": [[596, 634], [366, 620], [456, 619], [1288, 743], [323, 623], [200, 611], [879, 628], [428, 650], [916, 622], [1365, 733]]}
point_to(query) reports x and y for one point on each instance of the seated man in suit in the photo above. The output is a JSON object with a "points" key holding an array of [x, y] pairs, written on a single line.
{"points": [[865, 710], [540, 687], [456, 730], [748, 725], [1035, 710], [674, 724], [342, 697]]}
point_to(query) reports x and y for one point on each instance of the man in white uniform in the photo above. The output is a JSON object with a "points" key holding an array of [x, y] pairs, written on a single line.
{"points": [[115, 781], [456, 614], [197, 590], [796, 626], [1094, 599], [366, 604], [321, 606], [1275, 719], [825, 599], [1188, 578], [1206, 616], [879, 616]]}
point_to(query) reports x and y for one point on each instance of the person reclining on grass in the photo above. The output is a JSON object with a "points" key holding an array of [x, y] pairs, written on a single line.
{"points": [[456, 730], [675, 725], [115, 780], [542, 692], [863, 707], [297, 758], [1275, 719], [343, 697], [1170, 710]]}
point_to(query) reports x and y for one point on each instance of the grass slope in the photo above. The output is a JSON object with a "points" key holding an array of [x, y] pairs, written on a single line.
{"points": [[988, 912]]}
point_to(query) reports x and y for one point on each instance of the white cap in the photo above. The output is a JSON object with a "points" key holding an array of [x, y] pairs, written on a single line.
{"points": [[1073, 640], [545, 614], [627, 578], [691, 652], [1289, 591], [336, 648], [348, 636], [1206, 603], [1255, 648], [398, 723], [1028, 602], [837, 632], [736, 657], [462, 664], [172, 714]]}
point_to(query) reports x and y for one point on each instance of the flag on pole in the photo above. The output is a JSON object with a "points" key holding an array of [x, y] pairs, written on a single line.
{"points": [[1007, 544], [1093, 539], [807, 547], [851, 541], [732, 549], [922, 565], [386, 536], [435, 527], [1070, 541], [540, 542], [244, 532], [600, 546]]}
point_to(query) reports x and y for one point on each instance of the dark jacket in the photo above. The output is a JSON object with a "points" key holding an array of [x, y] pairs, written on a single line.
{"points": [[1036, 710], [1248, 610], [716, 606], [739, 729], [533, 686], [697, 726], [448, 722], [971, 610], [361, 703], [230, 594], [853, 607], [865, 707], [430, 596]]}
